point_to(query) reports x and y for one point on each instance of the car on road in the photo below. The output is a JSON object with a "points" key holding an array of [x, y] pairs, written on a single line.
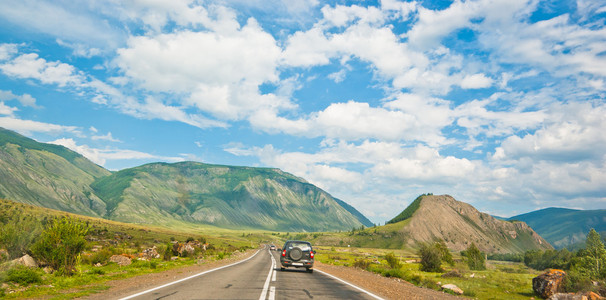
{"points": [[297, 254], [272, 247]]}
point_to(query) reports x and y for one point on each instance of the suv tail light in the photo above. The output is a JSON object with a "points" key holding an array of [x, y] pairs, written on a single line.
{"points": [[283, 253], [311, 253]]}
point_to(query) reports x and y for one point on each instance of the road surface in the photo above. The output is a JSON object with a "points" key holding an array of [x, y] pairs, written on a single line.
{"points": [[258, 277]]}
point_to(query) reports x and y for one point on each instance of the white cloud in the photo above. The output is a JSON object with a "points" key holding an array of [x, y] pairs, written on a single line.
{"points": [[25, 99], [70, 21], [101, 156], [107, 137], [577, 136], [31, 66], [7, 110], [476, 81], [26, 127], [218, 73]]}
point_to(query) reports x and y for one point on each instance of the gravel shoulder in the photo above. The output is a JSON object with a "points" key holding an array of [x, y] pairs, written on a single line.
{"points": [[388, 288]]}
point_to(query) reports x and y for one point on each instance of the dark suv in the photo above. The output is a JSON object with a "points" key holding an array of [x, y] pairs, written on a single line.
{"points": [[297, 254]]}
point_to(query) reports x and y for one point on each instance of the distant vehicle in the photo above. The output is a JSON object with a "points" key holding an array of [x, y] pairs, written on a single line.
{"points": [[272, 247], [297, 254]]}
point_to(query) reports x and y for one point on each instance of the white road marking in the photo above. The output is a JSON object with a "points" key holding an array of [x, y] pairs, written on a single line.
{"points": [[272, 292], [190, 277], [271, 270], [353, 286]]}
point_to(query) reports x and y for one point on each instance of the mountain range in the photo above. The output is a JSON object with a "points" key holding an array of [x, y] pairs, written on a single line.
{"points": [[170, 195], [55, 177], [563, 227]]}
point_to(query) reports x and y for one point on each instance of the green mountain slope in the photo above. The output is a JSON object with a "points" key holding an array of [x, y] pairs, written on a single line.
{"points": [[167, 194], [564, 227], [224, 196], [47, 175]]}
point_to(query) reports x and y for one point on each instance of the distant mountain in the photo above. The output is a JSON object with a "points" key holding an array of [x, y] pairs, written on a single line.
{"points": [[48, 175], [224, 196], [459, 224], [167, 194], [563, 227]]}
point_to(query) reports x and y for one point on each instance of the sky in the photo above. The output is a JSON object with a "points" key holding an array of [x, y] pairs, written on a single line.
{"points": [[498, 103]]}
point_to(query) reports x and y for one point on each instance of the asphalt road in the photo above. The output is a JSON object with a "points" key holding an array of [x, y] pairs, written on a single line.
{"points": [[258, 277]]}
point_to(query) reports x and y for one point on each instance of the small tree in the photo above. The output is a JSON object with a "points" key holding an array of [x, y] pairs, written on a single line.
{"points": [[475, 258], [431, 258], [61, 243]]}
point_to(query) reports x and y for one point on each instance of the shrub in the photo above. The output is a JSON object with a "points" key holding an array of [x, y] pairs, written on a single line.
{"points": [[23, 275], [60, 244], [475, 258], [361, 263], [431, 258], [168, 252], [392, 260], [101, 257]]}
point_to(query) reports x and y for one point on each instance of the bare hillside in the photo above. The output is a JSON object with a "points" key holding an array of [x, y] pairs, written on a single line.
{"points": [[460, 224]]}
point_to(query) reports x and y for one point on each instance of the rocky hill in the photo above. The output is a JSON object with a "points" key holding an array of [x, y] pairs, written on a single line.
{"points": [[563, 227], [459, 224], [167, 194]]}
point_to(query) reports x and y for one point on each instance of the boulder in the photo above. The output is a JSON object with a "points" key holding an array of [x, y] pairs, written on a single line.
{"points": [[121, 260], [453, 288], [27, 261], [548, 283], [149, 253]]}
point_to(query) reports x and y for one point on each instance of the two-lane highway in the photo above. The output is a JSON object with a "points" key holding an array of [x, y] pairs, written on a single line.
{"points": [[258, 277]]}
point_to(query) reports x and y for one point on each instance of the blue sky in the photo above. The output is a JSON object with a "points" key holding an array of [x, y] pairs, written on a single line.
{"points": [[498, 103]]}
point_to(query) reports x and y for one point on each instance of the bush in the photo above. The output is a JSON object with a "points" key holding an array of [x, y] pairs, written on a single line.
{"points": [[475, 258], [60, 244], [168, 252], [23, 275], [362, 263], [392, 260], [431, 258]]}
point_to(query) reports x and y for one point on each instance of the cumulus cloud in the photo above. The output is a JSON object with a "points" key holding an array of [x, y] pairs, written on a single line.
{"points": [[219, 73], [25, 99], [577, 136], [476, 81]]}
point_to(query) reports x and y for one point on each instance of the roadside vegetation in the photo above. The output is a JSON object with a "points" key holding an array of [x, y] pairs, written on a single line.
{"points": [[78, 255], [502, 276]]}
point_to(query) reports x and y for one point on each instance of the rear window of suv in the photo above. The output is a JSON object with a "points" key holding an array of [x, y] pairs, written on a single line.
{"points": [[302, 246]]}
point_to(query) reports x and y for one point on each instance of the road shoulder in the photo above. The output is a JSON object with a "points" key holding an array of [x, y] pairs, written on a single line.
{"points": [[125, 287], [388, 288]]}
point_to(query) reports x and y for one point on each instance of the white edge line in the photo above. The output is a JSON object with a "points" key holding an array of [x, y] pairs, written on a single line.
{"points": [[272, 293], [356, 287], [266, 285], [187, 278]]}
